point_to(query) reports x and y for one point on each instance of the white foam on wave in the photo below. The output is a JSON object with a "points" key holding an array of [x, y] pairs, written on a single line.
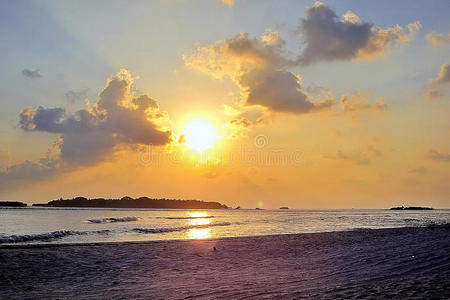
{"points": [[46, 236], [173, 229], [114, 220]]}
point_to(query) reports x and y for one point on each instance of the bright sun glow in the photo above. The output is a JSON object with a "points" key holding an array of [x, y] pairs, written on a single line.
{"points": [[200, 135]]}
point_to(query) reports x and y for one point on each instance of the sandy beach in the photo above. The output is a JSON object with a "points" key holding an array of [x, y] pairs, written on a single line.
{"points": [[397, 263]]}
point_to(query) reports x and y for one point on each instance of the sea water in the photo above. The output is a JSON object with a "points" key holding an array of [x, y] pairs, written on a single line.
{"points": [[34, 225]]}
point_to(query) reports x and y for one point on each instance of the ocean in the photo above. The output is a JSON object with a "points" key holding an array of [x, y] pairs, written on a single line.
{"points": [[33, 225]]}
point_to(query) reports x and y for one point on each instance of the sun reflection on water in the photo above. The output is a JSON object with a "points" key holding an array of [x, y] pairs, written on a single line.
{"points": [[200, 233], [198, 214], [200, 218], [199, 221]]}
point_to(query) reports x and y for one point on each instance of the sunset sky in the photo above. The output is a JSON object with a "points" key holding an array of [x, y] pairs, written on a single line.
{"points": [[340, 104]]}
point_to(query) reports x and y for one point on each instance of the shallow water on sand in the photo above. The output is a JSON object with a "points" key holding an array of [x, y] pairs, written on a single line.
{"points": [[80, 225]]}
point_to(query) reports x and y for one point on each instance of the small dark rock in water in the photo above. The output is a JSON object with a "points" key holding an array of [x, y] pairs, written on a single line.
{"points": [[214, 248], [284, 207], [411, 208]]}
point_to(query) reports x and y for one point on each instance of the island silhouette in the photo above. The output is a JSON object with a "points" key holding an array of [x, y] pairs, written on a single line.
{"points": [[12, 204], [128, 202]]}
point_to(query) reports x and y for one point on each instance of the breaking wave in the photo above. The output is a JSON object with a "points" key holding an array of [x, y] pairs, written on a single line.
{"points": [[114, 220], [173, 229], [46, 236]]}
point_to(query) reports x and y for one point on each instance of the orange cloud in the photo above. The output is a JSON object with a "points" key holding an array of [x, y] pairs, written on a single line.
{"points": [[434, 85], [437, 39], [358, 102], [443, 76]]}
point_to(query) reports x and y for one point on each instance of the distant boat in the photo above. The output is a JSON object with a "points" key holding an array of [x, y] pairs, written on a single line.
{"points": [[238, 207], [284, 207], [259, 208]]}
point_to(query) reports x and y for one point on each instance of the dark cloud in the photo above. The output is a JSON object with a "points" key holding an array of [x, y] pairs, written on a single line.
{"points": [[91, 134], [277, 90], [74, 96], [31, 74], [435, 155], [258, 67], [328, 38], [42, 119]]}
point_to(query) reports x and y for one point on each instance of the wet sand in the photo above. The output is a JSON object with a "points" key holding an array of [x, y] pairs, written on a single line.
{"points": [[395, 263]]}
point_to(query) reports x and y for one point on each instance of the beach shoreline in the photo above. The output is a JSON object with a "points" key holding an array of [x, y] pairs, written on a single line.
{"points": [[188, 240], [410, 262]]}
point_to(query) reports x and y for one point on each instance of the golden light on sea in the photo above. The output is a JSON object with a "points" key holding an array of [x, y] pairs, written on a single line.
{"points": [[200, 233], [199, 219]]}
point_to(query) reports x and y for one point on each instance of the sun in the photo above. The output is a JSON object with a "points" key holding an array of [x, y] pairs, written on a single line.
{"points": [[200, 135]]}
